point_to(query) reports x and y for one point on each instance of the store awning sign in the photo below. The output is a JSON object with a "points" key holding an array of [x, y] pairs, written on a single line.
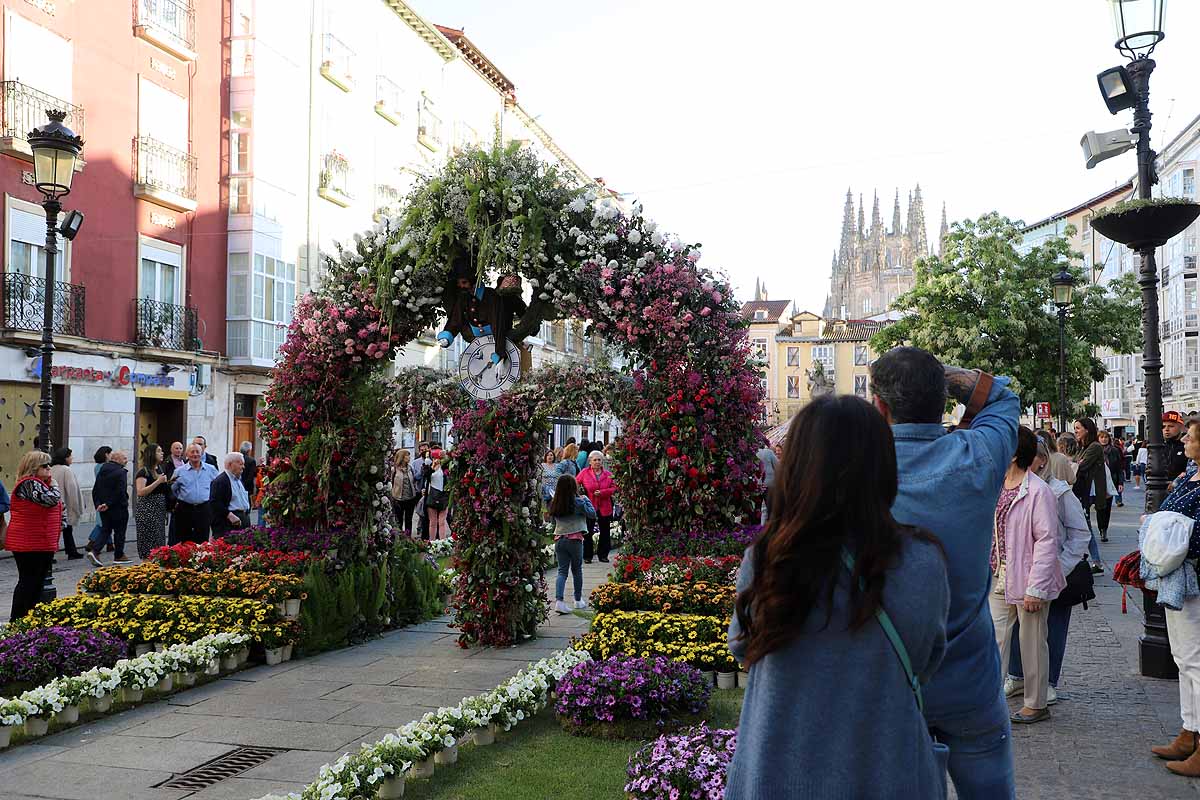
{"points": [[122, 376]]}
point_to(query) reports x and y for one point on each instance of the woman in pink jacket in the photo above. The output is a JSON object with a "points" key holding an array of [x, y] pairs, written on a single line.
{"points": [[600, 487], [1026, 572]]}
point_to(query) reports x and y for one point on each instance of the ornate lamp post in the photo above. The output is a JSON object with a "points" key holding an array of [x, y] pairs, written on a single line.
{"points": [[1063, 285], [55, 150]]}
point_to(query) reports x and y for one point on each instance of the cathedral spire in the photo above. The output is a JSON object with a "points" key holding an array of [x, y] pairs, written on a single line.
{"points": [[896, 229], [945, 231], [876, 218], [862, 225], [916, 225], [757, 289], [845, 252]]}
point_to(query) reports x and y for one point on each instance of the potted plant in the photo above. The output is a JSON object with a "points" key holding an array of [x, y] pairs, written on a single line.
{"points": [[1146, 223], [13, 713]]}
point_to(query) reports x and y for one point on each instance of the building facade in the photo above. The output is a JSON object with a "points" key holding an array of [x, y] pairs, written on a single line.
{"points": [[140, 293], [874, 265]]}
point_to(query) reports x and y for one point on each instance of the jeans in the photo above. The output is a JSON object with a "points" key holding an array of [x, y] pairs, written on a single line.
{"points": [[31, 574], [605, 544], [1057, 625], [112, 528], [981, 758], [569, 553]]}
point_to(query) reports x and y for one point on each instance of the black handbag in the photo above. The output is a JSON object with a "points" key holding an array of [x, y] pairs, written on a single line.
{"points": [[436, 499], [1080, 586]]}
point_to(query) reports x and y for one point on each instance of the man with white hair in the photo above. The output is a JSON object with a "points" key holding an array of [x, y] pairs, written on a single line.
{"points": [[191, 484], [228, 502]]}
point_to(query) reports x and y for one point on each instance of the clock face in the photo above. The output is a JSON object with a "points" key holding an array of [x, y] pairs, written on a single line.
{"points": [[481, 377]]}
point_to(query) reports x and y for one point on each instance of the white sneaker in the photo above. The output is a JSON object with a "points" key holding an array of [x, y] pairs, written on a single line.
{"points": [[95, 562], [1051, 695], [1013, 686], [581, 604], [561, 607]]}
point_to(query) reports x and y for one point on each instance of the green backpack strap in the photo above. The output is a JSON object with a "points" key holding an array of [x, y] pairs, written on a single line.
{"points": [[893, 635]]}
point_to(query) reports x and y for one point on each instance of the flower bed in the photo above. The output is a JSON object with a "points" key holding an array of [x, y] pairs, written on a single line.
{"points": [[693, 639], [220, 555], [35, 656], [732, 542], [630, 698], [519, 698], [663, 570], [286, 540], [698, 598], [146, 618], [152, 579], [692, 764]]}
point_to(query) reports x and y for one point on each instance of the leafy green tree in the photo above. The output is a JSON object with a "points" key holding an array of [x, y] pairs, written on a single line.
{"points": [[983, 304]]}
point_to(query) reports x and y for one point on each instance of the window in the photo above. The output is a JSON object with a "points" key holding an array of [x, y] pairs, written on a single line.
{"points": [[429, 125], [860, 355], [759, 348], [161, 272], [760, 314], [37, 57], [824, 353], [860, 386], [241, 44], [866, 305], [1189, 182], [274, 289], [162, 115], [793, 387], [27, 243], [264, 291], [793, 356], [1086, 227]]}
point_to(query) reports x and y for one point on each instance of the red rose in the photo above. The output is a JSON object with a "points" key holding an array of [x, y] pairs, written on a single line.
{"points": [[672, 452]]}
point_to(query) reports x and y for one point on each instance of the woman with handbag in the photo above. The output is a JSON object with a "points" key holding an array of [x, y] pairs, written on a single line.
{"points": [[1091, 486], [404, 490], [1114, 459], [1073, 537], [840, 616], [437, 500]]}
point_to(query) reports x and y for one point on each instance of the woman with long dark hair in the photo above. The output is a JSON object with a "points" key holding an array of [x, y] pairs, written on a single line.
{"points": [[570, 511], [1090, 485], [830, 710], [152, 488]]}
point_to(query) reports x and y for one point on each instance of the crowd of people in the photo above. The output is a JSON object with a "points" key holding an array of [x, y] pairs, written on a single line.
{"points": [[178, 497]]}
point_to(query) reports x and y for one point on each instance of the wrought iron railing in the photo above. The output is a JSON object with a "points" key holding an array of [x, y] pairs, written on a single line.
{"points": [[25, 109], [335, 174], [165, 325], [24, 304], [176, 17], [163, 167]]}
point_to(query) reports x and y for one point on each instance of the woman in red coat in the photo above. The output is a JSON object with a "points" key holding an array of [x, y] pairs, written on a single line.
{"points": [[33, 529], [600, 487]]}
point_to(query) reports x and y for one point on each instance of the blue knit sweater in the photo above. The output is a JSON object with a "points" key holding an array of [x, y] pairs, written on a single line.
{"points": [[831, 715]]}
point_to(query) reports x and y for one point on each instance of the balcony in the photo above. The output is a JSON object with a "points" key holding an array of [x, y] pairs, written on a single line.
{"points": [[337, 63], [389, 100], [164, 175], [429, 127], [25, 109], [164, 325], [387, 200], [167, 24], [334, 181], [24, 304]]}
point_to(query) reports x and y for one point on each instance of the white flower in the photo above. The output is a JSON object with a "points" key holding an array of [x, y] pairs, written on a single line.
{"points": [[634, 237], [656, 239], [581, 240], [578, 205]]}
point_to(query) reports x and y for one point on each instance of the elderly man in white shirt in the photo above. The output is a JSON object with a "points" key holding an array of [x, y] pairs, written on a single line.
{"points": [[228, 500]]}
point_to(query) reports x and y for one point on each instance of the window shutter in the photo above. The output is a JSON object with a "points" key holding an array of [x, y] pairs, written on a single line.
{"points": [[29, 228], [162, 115], [162, 255]]}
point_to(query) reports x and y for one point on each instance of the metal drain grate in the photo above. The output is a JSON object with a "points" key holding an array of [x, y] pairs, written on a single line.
{"points": [[235, 762]]}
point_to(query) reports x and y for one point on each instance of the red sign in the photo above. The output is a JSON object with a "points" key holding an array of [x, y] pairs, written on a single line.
{"points": [[1043, 410]]}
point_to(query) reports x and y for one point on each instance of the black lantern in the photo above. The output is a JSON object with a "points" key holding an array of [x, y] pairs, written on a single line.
{"points": [[1063, 285], [55, 148], [1138, 25]]}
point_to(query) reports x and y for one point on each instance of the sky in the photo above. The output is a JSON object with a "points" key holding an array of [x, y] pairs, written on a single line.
{"points": [[741, 125]]}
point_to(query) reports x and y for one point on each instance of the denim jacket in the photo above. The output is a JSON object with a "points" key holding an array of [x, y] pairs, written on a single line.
{"points": [[949, 484]]}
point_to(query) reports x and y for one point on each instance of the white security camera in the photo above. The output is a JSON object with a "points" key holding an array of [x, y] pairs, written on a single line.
{"points": [[1100, 146]]}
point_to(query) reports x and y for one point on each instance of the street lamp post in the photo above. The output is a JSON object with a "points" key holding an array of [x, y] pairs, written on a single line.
{"points": [[55, 149], [1062, 285]]}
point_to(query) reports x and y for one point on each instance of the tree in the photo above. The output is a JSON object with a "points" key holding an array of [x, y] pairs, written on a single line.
{"points": [[983, 304]]}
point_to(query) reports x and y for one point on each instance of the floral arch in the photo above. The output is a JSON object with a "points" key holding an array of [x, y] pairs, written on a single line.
{"points": [[685, 461]]}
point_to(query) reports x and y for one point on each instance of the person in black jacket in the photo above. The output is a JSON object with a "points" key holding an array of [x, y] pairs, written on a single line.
{"points": [[250, 473], [110, 494], [209, 458], [228, 501], [1177, 462]]}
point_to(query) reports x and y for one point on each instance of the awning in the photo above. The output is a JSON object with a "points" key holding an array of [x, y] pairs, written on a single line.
{"points": [[777, 434], [160, 393]]}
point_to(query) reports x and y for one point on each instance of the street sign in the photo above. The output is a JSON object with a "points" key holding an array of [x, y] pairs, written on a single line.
{"points": [[1043, 410]]}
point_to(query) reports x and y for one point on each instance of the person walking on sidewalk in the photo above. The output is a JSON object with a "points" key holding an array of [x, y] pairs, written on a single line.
{"points": [[821, 593], [60, 471], [1139, 463], [600, 487], [437, 500], [101, 458], [949, 484], [1073, 535], [1183, 626], [111, 496], [1091, 487], [570, 511], [1026, 574], [32, 536], [404, 490], [1114, 458]]}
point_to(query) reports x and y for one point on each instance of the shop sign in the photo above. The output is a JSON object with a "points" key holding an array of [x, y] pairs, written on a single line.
{"points": [[1043, 410], [121, 376]]}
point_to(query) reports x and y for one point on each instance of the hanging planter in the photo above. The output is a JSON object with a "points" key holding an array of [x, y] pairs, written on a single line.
{"points": [[1146, 224]]}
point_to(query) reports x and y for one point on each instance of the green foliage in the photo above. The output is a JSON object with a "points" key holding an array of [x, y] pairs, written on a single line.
{"points": [[983, 304], [1136, 203]]}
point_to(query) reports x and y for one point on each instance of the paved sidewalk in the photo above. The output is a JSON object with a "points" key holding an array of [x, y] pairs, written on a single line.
{"points": [[311, 709], [1096, 745]]}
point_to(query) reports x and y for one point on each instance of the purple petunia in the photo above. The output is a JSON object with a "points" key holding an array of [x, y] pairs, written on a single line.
{"points": [[38, 655], [691, 764], [621, 688]]}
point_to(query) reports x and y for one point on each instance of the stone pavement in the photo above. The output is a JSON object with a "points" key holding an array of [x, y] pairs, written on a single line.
{"points": [[1096, 744], [312, 710]]}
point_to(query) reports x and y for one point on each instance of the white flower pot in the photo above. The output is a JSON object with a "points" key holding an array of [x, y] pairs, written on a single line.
{"points": [[213, 668], [422, 769], [287, 652], [484, 736], [709, 677], [183, 678], [127, 695], [230, 662], [243, 655], [292, 608], [392, 788], [102, 703], [281, 608], [726, 680], [743, 679], [142, 649], [447, 756], [36, 726], [68, 716], [165, 684], [5, 735], [274, 656]]}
